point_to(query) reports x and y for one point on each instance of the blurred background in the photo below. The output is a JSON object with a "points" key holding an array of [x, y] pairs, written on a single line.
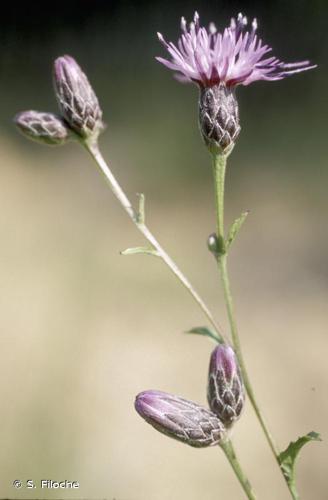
{"points": [[83, 329]]}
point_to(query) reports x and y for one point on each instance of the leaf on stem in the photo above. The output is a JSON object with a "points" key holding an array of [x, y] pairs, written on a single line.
{"points": [[235, 228], [206, 332], [287, 458], [144, 250]]}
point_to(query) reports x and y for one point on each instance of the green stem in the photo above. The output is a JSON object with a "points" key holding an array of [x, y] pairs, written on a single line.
{"points": [[229, 451], [219, 168], [138, 219], [238, 350]]}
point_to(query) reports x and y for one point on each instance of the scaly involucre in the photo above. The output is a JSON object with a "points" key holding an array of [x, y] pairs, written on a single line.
{"points": [[180, 419], [76, 98], [46, 128], [226, 393]]}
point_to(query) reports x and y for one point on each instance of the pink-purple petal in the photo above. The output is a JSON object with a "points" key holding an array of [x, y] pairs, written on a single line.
{"points": [[235, 57]]}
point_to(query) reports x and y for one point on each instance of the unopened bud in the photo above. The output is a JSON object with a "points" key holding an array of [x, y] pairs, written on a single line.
{"points": [[218, 117], [225, 394], [42, 127], [77, 101], [212, 243], [180, 419], [216, 245]]}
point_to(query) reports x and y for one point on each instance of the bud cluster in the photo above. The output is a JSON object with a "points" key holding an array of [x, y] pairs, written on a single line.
{"points": [[191, 423], [81, 115]]}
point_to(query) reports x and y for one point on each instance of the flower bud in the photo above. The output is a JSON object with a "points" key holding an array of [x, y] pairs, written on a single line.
{"points": [[76, 99], [225, 394], [218, 117], [212, 243], [216, 245], [42, 127], [180, 419]]}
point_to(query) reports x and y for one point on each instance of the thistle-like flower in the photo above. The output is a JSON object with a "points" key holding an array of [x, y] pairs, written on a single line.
{"points": [[76, 98], [180, 419], [226, 393], [217, 63], [46, 128]]}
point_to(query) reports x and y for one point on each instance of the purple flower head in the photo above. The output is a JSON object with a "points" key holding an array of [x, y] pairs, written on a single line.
{"points": [[236, 56], [225, 394], [180, 419]]}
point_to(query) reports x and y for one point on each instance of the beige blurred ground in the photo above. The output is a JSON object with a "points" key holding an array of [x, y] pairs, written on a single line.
{"points": [[83, 329]]}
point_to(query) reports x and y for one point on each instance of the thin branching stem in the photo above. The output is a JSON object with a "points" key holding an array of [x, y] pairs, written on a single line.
{"points": [[219, 168], [93, 149], [230, 453]]}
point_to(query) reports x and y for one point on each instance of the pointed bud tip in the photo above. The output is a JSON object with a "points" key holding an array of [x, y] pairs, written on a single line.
{"points": [[65, 59], [65, 62], [143, 398], [223, 358]]}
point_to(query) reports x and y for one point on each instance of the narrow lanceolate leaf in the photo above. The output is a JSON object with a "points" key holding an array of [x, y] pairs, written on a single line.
{"points": [[144, 250], [287, 458], [206, 332], [235, 228], [180, 419]]}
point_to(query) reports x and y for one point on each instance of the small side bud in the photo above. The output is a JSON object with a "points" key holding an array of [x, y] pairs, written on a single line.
{"points": [[216, 245], [226, 393], [212, 244], [45, 128], [180, 419], [76, 99], [219, 118]]}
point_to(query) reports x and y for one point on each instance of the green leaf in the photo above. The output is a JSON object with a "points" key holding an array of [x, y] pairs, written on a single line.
{"points": [[287, 458], [144, 250], [235, 228], [207, 332]]}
